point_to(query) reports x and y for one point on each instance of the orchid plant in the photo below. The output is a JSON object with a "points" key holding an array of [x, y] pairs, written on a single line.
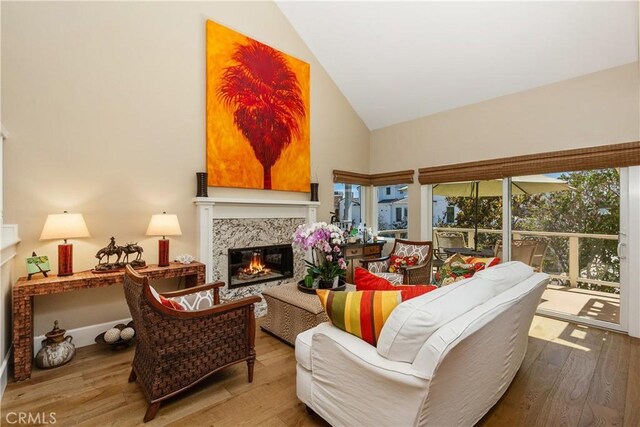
{"points": [[324, 240]]}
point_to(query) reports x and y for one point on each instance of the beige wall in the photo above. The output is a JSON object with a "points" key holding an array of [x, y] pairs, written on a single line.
{"points": [[105, 106], [595, 109]]}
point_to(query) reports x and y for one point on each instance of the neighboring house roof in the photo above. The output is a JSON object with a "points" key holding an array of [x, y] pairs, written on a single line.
{"points": [[392, 200]]}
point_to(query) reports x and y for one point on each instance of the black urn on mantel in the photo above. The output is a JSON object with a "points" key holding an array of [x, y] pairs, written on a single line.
{"points": [[202, 190]]}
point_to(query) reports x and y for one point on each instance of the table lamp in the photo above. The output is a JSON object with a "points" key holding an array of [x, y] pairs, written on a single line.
{"points": [[163, 225], [64, 226]]}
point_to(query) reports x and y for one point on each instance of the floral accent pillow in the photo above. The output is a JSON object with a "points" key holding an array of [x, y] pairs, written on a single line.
{"points": [[458, 268], [482, 263], [397, 263], [455, 268]]}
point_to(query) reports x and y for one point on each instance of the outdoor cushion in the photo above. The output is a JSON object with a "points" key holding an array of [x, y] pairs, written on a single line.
{"points": [[415, 320]]}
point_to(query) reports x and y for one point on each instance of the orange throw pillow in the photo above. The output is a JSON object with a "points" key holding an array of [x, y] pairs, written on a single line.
{"points": [[367, 281]]}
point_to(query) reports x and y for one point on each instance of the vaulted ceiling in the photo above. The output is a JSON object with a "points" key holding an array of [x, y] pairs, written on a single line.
{"points": [[396, 61]]}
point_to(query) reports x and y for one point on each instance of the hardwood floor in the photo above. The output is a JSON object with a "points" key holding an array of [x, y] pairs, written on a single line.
{"points": [[571, 376]]}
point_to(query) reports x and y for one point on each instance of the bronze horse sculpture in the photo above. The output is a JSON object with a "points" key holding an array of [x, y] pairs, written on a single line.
{"points": [[131, 248], [109, 250], [113, 249]]}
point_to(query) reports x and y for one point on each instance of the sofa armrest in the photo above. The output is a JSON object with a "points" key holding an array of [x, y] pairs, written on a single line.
{"points": [[363, 353], [351, 384]]}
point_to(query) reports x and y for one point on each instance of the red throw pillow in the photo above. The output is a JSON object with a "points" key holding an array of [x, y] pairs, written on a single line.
{"points": [[412, 291], [367, 281]]}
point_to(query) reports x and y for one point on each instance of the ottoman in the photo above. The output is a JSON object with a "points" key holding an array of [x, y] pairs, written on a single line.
{"points": [[290, 311]]}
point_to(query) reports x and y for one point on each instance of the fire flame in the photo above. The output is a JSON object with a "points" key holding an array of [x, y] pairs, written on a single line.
{"points": [[256, 263]]}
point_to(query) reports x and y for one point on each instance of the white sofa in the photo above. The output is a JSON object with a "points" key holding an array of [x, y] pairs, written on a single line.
{"points": [[442, 359]]}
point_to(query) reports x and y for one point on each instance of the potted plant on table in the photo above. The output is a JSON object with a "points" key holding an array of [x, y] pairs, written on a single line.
{"points": [[327, 263]]}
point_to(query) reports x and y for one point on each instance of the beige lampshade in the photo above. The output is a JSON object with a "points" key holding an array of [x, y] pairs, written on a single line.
{"points": [[164, 225], [64, 226]]}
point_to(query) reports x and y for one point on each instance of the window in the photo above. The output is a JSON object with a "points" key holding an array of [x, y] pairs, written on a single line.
{"points": [[347, 206], [450, 215], [393, 211]]}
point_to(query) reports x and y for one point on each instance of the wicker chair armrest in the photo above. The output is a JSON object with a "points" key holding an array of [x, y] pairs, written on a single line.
{"points": [[365, 262], [418, 274], [193, 290]]}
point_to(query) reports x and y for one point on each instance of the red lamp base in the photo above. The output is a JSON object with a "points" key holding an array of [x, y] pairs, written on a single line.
{"points": [[65, 259], [163, 252]]}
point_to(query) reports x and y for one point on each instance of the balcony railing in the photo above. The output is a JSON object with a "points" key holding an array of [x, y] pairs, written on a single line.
{"points": [[573, 275], [399, 233]]}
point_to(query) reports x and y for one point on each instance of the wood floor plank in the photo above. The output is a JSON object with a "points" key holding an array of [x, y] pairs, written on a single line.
{"points": [[608, 391], [632, 406], [569, 373], [565, 402]]}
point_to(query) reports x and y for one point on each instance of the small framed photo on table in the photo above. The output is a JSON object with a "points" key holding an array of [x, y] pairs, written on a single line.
{"points": [[37, 264]]}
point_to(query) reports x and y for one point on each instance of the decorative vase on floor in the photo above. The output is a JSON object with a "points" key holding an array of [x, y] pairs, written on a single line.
{"points": [[56, 349]]}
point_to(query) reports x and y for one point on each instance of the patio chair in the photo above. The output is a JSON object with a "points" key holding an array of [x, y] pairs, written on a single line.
{"points": [[540, 253], [417, 274], [177, 349], [521, 250], [447, 239]]}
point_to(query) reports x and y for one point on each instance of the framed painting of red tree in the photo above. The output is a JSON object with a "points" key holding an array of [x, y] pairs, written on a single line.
{"points": [[257, 114]]}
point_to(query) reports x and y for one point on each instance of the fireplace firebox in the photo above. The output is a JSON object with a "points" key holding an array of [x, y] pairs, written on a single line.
{"points": [[259, 264]]}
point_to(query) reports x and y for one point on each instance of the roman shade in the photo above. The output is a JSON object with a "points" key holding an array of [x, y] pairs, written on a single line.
{"points": [[377, 179], [605, 156]]}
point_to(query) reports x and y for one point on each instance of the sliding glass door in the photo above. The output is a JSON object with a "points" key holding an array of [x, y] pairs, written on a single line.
{"points": [[569, 225]]}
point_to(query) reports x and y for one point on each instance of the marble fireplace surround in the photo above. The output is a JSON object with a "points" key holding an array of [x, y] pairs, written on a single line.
{"points": [[225, 223]]}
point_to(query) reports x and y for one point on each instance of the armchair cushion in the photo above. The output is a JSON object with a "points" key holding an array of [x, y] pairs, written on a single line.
{"points": [[360, 313], [195, 301], [397, 263]]}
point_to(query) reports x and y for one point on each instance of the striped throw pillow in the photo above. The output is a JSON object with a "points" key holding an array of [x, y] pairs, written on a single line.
{"points": [[360, 313]]}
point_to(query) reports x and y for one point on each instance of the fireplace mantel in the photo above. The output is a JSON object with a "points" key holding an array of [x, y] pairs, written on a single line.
{"points": [[210, 208]]}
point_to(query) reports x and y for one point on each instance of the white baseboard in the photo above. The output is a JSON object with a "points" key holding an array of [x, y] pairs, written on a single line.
{"points": [[4, 371], [83, 336]]}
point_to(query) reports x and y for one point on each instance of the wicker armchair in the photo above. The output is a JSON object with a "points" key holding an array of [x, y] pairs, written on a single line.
{"points": [[177, 349], [417, 274]]}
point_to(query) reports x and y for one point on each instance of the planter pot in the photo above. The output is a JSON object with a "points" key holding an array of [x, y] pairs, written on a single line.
{"points": [[328, 284]]}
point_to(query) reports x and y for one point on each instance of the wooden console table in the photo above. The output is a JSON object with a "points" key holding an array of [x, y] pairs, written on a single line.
{"points": [[354, 252], [24, 290]]}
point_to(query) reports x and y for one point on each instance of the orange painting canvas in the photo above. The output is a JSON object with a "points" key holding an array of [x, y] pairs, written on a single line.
{"points": [[257, 114]]}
